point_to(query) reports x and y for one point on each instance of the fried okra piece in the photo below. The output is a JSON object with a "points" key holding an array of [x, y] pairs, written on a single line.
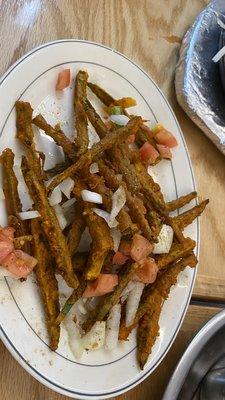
{"points": [[157, 293], [12, 199], [26, 135], [50, 225], [81, 123], [57, 134], [77, 228], [106, 143], [47, 282], [181, 201], [101, 244], [135, 206], [189, 216]]}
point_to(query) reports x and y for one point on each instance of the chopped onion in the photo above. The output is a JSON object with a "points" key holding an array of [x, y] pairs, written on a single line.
{"points": [[112, 327], [116, 237], [94, 168], [106, 216], [118, 201], [133, 301], [119, 119], [127, 290], [61, 218], [2, 196], [68, 203], [80, 306], [56, 196], [92, 197], [220, 23], [66, 187], [219, 54], [165, 240], [95, 338], [93, 138], [92, 302], [74, 337], [28, 215]]}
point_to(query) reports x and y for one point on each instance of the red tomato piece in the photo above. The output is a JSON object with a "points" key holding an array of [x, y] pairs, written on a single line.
{"points": [[104, 284], [119, 258], [140, 247], [164, 151], [19, 263], [166, 138], [63, 80], [147, 272], [148, 153]]}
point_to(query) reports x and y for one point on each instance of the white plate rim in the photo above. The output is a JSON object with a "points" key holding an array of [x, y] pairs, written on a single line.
{"points": [[10, 346]]}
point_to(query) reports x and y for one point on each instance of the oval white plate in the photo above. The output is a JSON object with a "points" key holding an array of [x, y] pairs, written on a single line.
{"points": [[98, 374]]}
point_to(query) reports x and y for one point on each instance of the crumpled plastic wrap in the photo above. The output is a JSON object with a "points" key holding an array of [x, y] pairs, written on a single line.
{"points": [[198, 84]]}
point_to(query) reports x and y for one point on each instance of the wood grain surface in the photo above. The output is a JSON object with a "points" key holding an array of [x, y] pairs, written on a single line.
{"points": [[149, 32]]}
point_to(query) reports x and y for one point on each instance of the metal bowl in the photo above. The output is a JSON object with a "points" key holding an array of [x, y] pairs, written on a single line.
{"points": [[200, 373]]}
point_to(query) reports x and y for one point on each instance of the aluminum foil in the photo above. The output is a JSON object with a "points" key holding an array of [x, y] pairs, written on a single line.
{"points": [[198, 84]]}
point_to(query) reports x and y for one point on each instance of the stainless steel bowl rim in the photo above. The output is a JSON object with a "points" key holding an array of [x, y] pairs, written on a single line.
{"points": [[190, 355]]}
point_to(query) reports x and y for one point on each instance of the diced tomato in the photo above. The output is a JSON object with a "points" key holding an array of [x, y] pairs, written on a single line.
{"points": [[125, 247], [164, 151], [104, 284], [166, 138], [8, 232], [148, 153], [131, 138], [147, 272], [119, 258], [140, 248], [6, 243], [19, 263], [63, 79]]}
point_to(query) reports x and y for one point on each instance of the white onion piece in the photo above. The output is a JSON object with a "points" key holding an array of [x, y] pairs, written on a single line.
{"points": [[2, 196], [74, 337], [112, 327], [106, 216], [165, 240], [220, 23], [93, 138], [116, 237], [80, 306], [68, 203], [4, 273], [127, 290], [219, 54], [28, 215], [95, 338], [91, 197], [56, 196], [119, 119], [92, 302], [133, 300], [94, 168], [67, 186], [118, 201], [61, 218]]}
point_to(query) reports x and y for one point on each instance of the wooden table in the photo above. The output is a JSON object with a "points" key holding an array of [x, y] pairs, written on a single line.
{"points": [[149, 32]]}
